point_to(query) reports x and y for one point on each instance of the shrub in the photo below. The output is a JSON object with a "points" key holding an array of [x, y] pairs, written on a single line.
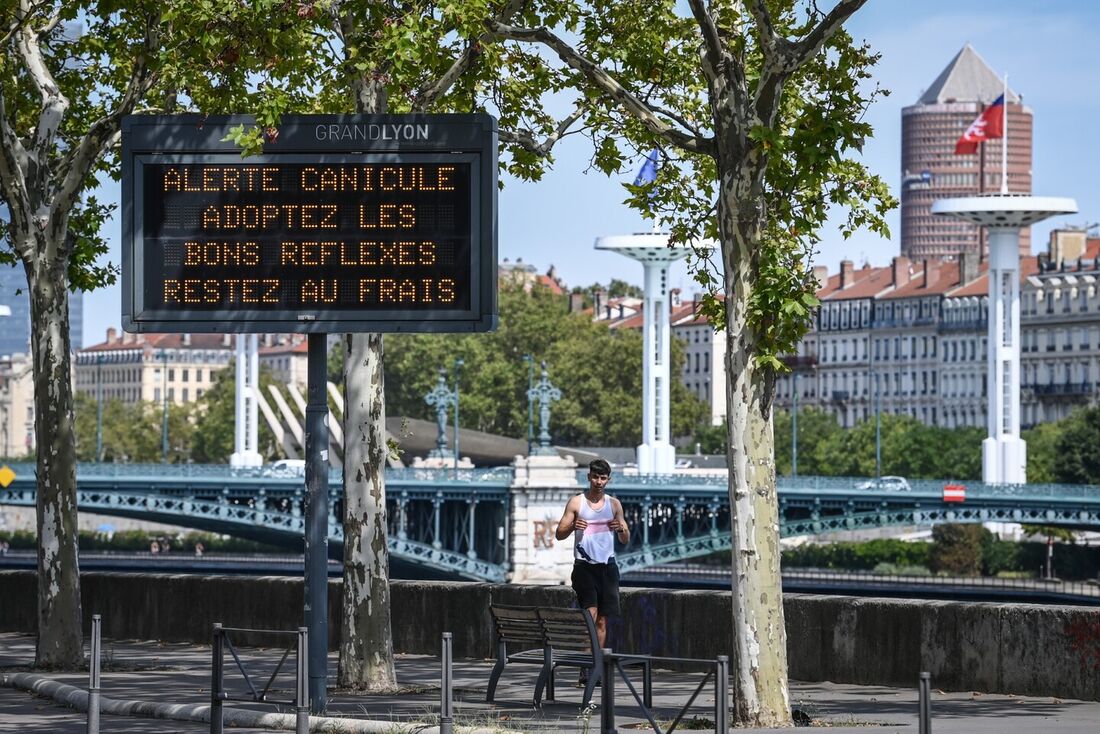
{"points": [[956, 549], [892, 569], [857, 556]]}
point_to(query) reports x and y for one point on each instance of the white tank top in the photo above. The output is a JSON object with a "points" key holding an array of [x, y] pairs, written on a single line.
{"points": [[596, 543]]}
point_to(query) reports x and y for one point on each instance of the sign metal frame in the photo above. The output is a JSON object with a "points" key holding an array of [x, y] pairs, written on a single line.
{"points": [[328, 140]]}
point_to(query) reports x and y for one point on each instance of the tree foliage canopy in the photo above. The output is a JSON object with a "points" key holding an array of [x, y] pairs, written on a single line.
{"points": [[597, 369]]}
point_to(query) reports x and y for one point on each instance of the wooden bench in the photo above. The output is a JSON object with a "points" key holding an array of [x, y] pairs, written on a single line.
{"points": [[554, 637]]}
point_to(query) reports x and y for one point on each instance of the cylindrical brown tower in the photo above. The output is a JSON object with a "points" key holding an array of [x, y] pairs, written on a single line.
{"points": [[930, 169]]}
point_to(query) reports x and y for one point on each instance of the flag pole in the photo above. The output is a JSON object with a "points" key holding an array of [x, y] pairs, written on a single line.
{"points": [[1004, 141]]}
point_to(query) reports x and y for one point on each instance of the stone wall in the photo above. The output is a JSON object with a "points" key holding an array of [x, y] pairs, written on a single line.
{"points": [[995, 648]]}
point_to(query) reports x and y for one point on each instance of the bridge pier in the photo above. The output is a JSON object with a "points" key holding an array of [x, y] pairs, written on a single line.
{"points": [[540, 488]]}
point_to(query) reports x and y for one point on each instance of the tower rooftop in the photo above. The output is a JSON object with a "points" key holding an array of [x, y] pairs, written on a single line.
{"points": [[966, 79]]}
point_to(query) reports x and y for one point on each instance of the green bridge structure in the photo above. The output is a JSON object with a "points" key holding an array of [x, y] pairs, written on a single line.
{"points": [[480, 524]]}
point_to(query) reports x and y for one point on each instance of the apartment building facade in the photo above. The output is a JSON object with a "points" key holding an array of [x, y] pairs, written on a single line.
{"points": [[151, 367], [911, 339], [16, 406]]}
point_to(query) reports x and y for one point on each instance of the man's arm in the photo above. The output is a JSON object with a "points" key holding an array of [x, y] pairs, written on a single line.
{"points": [[569, 520], [618, 522]]}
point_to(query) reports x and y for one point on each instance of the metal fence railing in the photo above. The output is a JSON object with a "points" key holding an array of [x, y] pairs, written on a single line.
{"points": [[869, 579], [219, 695], [613, 663]]}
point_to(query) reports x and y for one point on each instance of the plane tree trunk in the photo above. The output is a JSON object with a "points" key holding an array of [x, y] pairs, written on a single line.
{"points": [[60, 642], [366, 639]]}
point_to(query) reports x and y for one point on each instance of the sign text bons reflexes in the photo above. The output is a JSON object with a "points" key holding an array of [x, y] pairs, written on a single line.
{"points": [[300, 236]]}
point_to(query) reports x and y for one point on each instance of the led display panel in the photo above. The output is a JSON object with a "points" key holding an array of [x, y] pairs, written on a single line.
{"points": [[342, 224]]}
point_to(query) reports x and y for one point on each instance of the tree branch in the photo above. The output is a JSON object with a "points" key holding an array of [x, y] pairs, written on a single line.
{"points": [[36, 172], [714, 50], [50, 24], [13, 184], [803, 50], [605, 82], [22, 17], [762, 17], [527, 141], [429, 92], [782, 57], [80, 160]]}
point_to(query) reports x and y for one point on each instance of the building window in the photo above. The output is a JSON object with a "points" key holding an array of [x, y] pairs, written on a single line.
{"points": [[185, 394], [186, 374]]}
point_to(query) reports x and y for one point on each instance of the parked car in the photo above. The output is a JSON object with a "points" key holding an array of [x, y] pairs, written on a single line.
{"points": [[286, 468], [887, 484]]}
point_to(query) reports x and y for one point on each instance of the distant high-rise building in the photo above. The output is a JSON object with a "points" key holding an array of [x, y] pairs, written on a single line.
{"points": [[15, 330], [930, 169]]}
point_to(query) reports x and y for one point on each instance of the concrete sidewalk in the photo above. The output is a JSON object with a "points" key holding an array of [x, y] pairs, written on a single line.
{"points": [[180, 674]]}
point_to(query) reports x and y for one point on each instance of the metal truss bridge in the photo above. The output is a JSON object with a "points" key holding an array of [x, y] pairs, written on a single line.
{"points": [[459, 523]]}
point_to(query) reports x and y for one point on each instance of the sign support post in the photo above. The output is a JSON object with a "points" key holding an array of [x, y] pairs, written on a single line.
{"points": [[316, 528]]}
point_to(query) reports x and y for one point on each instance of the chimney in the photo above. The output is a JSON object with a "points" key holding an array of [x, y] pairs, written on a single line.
{"points": [[1067, 244], [185, 340], [899, 271], [674, 299], [847, 273], [127, 338], [821, 275], [931, 272], [112, 335], [696, 299], [968, 267], [227, 340], [601, 303]]}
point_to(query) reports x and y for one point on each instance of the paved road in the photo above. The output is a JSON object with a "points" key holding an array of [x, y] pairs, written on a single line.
{"points": [[180, 674]]}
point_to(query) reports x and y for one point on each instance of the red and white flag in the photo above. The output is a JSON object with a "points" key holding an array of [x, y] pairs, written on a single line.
{"points": [[954, 493], [990, 124]]}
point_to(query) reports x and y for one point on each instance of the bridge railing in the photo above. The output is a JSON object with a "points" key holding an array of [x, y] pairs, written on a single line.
{"points": [[499, 478], [496, 475]]}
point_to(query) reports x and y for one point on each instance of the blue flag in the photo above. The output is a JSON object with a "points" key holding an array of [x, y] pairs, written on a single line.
{"points": [[648, 173]]}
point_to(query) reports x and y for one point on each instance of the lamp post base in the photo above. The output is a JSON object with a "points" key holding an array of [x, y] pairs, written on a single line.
{"points": [[656, 458], [1004, 460]]}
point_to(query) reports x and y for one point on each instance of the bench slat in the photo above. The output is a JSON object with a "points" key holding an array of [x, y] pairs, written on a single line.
{"points": [[517, 624]]}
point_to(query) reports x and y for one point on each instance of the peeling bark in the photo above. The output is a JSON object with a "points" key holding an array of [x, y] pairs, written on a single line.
{"points": [[760, 642], [366, 641], [41, 181], [60, 643]]}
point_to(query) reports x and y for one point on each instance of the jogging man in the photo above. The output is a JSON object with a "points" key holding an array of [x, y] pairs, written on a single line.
{"points": [[597, 519]]}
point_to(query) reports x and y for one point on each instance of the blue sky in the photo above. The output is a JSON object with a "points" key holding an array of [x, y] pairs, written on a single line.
{"points": [[1045, 47]]}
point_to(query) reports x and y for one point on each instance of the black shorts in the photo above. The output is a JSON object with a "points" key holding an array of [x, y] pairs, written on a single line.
{"points": [[597, 585]]}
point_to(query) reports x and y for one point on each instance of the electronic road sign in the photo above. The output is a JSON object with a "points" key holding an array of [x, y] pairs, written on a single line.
{"points": [[343, 224]]}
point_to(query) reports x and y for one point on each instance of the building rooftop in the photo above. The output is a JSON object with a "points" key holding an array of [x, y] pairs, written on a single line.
{"points": [[935, 278], [868, 282], [117, 341]]}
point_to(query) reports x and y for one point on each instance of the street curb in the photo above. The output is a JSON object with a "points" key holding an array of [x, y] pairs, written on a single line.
{"points": [[77, 698]]}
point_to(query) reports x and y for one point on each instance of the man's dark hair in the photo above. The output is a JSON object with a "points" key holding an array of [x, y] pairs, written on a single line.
{"points": [[600, 467]]}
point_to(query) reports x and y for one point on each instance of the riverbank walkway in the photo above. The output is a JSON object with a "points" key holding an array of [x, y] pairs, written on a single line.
{"points": [[179, 674]]}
